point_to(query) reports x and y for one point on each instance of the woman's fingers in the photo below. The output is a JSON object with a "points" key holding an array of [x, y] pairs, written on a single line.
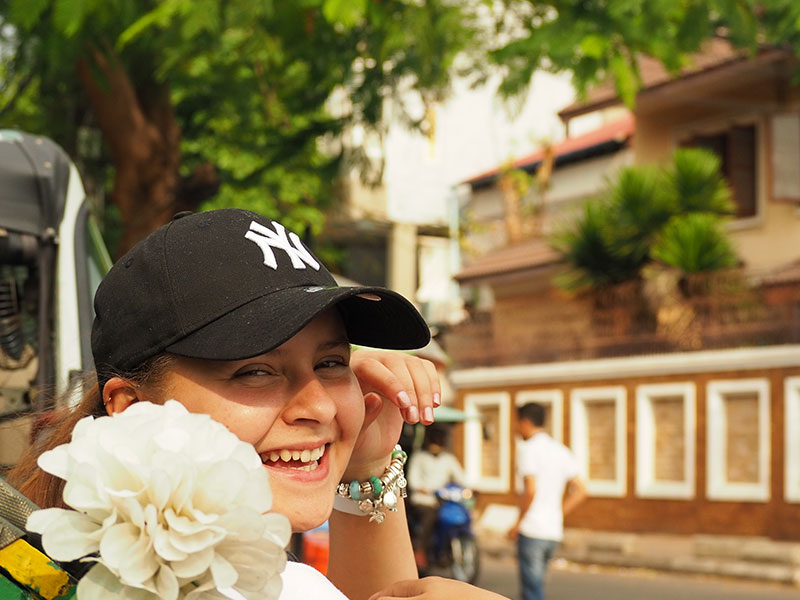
{"points": [[410, 588], [411, 383], [435, 588]]}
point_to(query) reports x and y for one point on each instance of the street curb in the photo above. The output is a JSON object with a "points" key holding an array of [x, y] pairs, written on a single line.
{"points": [[757, 559]]}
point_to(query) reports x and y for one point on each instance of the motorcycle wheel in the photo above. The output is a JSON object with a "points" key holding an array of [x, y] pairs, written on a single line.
{"points": [[464, 558]]}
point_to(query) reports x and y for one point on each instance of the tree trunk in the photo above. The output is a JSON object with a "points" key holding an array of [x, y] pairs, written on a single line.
{"points": [[143, 137]]}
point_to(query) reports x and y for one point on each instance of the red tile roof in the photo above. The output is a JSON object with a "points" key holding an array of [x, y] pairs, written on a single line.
{"points": [[620, 131]]}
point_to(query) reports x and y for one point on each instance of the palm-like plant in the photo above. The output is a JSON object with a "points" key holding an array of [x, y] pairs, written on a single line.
{"points": [[696, 183], [672, 215], [693, 243], [592, 248]]}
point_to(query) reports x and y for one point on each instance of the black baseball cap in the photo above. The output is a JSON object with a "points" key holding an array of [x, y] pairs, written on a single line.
{"points": [[229, 284]]}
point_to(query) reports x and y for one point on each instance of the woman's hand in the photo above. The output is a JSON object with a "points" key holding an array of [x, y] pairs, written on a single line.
{"points": [[435, 588], [396, 387]]}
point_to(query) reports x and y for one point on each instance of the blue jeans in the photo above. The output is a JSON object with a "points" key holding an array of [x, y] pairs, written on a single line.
{"points": [[533, 556]]}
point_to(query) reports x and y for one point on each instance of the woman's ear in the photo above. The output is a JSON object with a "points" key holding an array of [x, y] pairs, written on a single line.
{"points": [[119, 394], [373, 404]]}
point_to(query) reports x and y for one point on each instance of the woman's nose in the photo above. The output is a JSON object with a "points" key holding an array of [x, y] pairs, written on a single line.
{"points": [[311, 401]]}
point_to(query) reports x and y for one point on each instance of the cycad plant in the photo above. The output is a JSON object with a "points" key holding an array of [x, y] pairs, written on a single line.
{"points": [[693, 243], [672, 215]]}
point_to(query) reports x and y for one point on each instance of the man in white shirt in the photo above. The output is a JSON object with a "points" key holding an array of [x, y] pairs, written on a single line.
{"points": [[551, 489], [430, 469]]}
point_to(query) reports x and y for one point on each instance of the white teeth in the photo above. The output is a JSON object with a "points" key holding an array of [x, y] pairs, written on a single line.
{"points": [[310, 457], [309, 467]]}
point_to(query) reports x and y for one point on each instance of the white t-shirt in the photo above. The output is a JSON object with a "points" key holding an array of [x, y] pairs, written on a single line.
{"points": [[552, 465], [304, 582], [429, 472]]}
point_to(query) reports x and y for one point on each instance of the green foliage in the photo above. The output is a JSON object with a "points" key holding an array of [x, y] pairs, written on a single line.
{"points": [[252, 82], [597, 41], [672, 215], [693, 243], [260, 89], [593, 248], [699, 186]]}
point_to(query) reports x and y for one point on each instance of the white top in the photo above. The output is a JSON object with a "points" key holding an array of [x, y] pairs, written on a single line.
{"points": [[304, 582], [427, 473], [552, 465]]}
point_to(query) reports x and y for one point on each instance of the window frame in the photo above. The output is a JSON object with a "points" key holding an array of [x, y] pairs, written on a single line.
{"points": [[647, 486], [579, 398], [791, 421], [717, 488], [473, 441], [718, 126]]}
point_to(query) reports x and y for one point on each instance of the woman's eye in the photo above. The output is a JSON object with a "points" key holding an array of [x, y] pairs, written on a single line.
{"points": [[252, 372], [331, 363]]}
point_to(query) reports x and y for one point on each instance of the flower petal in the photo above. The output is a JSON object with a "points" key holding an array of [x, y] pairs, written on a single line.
{"points": [[98, 584], [67, 537], [116, 544], [55, 461], [167, 584], [40, 520], [223, 572], [195, 564]]}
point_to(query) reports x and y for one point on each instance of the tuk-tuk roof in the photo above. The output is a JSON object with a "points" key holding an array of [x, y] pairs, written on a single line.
{"points": [[34, 174]]}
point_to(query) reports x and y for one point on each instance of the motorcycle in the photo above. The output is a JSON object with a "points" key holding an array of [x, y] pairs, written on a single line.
{"points": [[454, 545]]}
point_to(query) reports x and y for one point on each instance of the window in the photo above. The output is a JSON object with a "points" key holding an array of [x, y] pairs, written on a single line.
{"points": [[736, 148], [598, 438], [665, 440], [785, 156], [738, 440], [487, 455], [553, 403], [792, 439]]}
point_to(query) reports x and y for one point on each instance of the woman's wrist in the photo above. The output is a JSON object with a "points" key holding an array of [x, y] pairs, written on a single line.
{"points": [[376, 494], [365, 470]]}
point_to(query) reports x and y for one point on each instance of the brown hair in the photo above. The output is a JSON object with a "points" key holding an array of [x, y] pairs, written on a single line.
{"points": [[44, 489]]}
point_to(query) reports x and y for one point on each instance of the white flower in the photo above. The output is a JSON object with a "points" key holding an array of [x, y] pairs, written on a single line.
{"points": [[172, 505]]}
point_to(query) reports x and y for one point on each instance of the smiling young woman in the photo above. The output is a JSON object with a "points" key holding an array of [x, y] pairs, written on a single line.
{"points": [[232, 316]]}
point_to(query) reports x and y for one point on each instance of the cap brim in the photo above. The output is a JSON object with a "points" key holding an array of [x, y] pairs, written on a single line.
{"points": [[373, 316]]}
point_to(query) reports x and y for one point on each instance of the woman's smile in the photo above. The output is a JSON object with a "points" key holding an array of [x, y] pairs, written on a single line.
{"points": [[299, 405]]}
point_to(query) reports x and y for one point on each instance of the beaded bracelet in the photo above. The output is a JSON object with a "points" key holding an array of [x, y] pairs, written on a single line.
{"points": [[376, 495]]}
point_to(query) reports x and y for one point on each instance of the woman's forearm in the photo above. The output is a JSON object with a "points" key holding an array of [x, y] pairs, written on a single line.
{"points": [[366, 556]]}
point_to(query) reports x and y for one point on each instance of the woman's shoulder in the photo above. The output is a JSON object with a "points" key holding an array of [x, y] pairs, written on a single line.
{"points": [[301, 582]]}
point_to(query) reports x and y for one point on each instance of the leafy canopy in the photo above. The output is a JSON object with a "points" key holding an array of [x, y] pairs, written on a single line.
{"points": [[600, 39], [261, 89]]}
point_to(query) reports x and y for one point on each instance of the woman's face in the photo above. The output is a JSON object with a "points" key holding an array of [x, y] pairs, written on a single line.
{"points": [[300, 406]]}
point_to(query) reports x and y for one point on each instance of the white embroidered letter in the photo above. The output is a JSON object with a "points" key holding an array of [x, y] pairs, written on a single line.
{"points": [[266, 239]]}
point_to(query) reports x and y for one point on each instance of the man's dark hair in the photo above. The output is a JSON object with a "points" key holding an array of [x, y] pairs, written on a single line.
{"points": [[435, 435], [532, 412]]}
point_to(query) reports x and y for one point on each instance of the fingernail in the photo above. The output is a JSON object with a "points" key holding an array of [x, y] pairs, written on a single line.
{"points": [[427, 414], [403, 399], [413, 414], [437, 399]]}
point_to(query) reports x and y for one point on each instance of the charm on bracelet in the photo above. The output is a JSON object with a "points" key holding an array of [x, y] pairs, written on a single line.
{"points": [[378, 494]]}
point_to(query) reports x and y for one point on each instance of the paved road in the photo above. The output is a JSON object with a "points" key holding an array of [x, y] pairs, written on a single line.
{"points": [[573, 582]]}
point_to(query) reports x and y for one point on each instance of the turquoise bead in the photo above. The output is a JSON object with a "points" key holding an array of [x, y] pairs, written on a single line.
{"points": [[355, 490]]}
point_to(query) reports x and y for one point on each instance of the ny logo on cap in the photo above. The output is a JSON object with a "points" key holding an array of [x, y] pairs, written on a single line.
{"points": [[266, 239]]}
